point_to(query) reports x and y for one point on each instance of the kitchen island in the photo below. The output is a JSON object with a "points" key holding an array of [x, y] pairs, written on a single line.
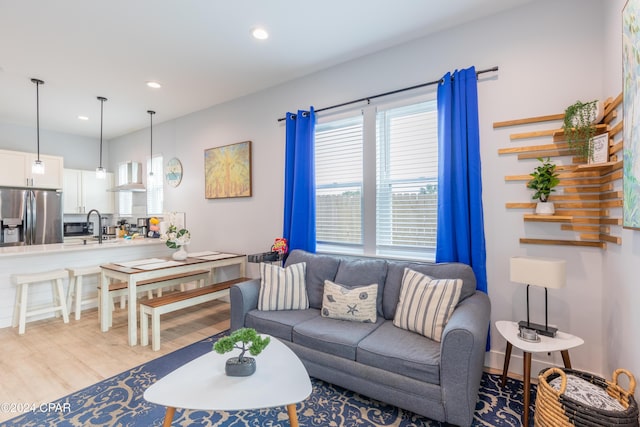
{"points": [[34, 258]]}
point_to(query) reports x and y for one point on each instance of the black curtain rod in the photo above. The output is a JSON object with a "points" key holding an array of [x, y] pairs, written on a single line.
{"points": [[393, 92]]}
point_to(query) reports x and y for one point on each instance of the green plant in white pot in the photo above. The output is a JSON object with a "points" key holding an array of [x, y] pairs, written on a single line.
{"points": [[544, 179]]}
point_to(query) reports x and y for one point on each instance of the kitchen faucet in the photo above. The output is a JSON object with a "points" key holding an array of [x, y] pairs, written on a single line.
{"points": [[99, 223]]}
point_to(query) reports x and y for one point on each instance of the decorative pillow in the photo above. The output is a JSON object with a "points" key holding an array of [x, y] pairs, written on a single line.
{"points": [[283, 288], [426, 304], [357, 303]]}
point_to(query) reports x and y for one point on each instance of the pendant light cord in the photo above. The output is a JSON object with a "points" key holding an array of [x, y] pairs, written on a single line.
{"points": [[151, 113], [38, 83], [101, 99]]}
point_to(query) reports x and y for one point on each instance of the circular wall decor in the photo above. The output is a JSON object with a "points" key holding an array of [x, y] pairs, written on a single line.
{"points": [[173, 172]]}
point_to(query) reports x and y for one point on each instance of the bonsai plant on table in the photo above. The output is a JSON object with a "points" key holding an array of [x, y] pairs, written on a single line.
{"points": [[241, 366], [545, 178]]}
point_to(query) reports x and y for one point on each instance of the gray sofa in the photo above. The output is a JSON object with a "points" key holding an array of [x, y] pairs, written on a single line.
{"points": [[439, 380]]}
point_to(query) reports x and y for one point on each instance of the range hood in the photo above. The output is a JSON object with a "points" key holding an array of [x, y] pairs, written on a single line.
{"points": [[133, 178]]}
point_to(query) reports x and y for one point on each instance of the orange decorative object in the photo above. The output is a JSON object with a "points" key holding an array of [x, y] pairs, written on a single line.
{"points": [[280, 245]]}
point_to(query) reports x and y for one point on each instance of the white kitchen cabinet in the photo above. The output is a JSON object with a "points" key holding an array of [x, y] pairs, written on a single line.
{"points": [[15, 170], [82, 191]]}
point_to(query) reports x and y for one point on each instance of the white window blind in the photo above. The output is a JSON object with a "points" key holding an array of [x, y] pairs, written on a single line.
{"points": [[155, 189], [338, 162], [376, 181], [406, 178]]}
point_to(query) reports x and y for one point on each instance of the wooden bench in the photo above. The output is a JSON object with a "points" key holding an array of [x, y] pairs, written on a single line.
{"points": [[121, 288], [176, 301]]}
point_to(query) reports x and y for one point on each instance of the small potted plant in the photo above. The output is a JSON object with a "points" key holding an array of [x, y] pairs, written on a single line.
{"points": [[544, 179], [241, 366], [176, 239], [579, 126]]}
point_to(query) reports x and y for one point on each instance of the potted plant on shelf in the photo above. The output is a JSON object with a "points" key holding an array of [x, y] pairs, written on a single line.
{"points": [[241, 366], [579, 126], [544, 179]]}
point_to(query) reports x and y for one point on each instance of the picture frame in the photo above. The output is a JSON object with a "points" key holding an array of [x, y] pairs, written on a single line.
{"points": [[227, 171], [599, 149], [631, 105]]}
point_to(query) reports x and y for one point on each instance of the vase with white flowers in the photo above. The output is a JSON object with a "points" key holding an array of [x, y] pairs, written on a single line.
{"points": [[176, 239]]}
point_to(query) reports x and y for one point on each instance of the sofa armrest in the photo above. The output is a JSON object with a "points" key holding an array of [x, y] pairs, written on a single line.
{"points": [[462, 350], [244, 298]]}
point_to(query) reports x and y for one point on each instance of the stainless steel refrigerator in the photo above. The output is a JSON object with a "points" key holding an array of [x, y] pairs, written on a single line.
{"points": [[30, 216]]}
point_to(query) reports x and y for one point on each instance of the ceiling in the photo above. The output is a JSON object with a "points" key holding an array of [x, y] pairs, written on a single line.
{"points": [[201, 51]]}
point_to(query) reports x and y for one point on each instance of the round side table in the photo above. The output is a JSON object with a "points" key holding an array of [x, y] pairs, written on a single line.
{"points": [[562, 342]]}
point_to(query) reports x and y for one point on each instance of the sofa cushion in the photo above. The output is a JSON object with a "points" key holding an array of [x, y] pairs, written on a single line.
{"points": [[319, 268], [278, 323], [356, 304], [402, 352], [448, 270], [362, 272], [338, 337], [283, 288], [426, 304]]}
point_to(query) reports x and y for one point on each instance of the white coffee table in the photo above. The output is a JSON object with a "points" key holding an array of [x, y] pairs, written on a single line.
{"points": [[280, 380], [562, 342]]}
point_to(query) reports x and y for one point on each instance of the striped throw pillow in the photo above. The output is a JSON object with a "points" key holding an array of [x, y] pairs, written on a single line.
{"points": [[283, 288], [426, 304]]}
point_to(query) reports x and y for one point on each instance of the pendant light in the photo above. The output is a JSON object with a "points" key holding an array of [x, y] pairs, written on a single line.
{"points": [[151, 113], [38, 165], [101, 172]]}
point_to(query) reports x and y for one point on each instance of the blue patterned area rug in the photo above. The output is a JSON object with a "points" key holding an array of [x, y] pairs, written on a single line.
{"points": [[118, 401]]}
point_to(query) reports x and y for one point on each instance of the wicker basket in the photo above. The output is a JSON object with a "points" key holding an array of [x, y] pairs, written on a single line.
{"points": [[555, 408]]}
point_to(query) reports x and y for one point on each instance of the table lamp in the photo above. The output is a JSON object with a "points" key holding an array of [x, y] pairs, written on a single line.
{"points": [[544, 272]]}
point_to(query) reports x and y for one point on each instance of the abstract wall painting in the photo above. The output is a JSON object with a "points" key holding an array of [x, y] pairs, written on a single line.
{"points": [[631, 102], [227, 171]]}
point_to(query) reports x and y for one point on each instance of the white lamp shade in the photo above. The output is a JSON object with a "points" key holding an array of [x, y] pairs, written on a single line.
{"points": [[544, 272]]}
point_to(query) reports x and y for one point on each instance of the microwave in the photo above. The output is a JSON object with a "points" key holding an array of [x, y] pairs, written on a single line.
{"points": [[78, 229]]}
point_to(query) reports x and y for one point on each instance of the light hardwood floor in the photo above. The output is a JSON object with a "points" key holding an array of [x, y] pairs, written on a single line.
{"points": [[53, 359]]}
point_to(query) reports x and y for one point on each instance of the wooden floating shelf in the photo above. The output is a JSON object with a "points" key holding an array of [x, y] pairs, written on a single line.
{"points": [[558, 135], [528, 121], [590, 228], [608, 166], [586, 192], [601, 245], [547, 218]]}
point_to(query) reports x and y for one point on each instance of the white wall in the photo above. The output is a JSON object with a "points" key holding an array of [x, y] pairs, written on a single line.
{"points": [[79, 152], [549, 54], [621, 292]]}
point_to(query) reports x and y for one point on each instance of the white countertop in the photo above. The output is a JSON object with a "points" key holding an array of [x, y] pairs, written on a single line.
{"points": [[12, 251]]}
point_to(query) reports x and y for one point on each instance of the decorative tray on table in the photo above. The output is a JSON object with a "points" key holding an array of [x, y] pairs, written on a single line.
{"points": [[266, 257]]}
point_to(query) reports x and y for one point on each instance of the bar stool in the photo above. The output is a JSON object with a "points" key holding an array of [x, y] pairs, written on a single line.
{"points": [[75, 287], [21, 310]]}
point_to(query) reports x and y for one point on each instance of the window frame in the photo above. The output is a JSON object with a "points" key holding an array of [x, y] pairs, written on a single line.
{"points": [[369, 245]]}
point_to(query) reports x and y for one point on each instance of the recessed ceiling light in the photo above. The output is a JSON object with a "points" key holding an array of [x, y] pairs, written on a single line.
{"points": [[154, 85], [259, 33], [83, 118]]}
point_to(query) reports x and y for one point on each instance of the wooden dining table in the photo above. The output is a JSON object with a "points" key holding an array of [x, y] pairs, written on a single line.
{"points": [[133, 272]]}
